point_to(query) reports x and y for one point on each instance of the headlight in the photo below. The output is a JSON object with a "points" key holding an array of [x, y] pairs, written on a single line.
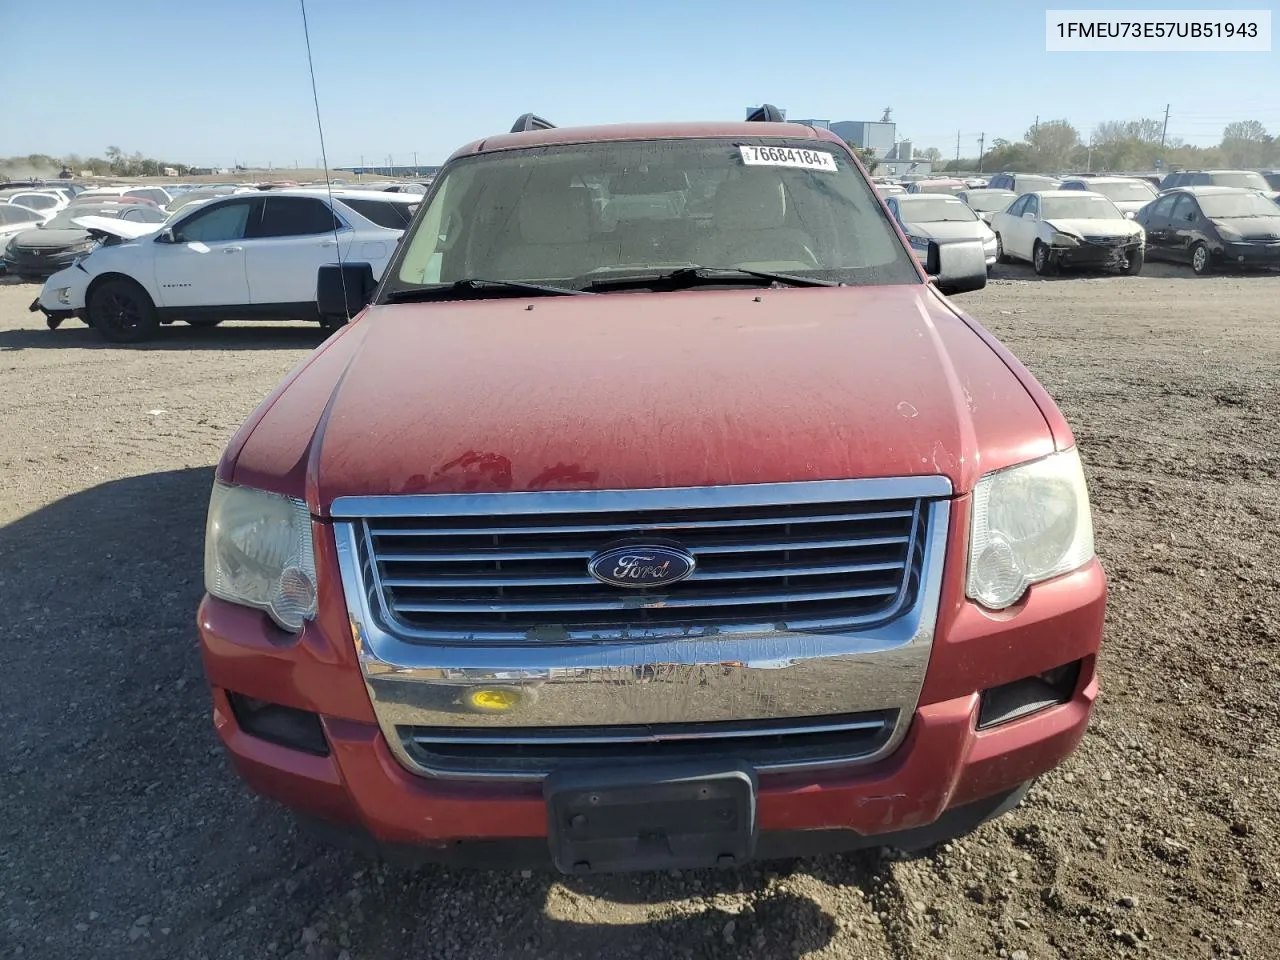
{"points": [[1064, 240], [1030, 523], [257, 552], [82, 246]]}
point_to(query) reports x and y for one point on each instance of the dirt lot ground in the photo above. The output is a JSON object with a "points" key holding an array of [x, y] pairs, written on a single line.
{"points": [[124, 835]]}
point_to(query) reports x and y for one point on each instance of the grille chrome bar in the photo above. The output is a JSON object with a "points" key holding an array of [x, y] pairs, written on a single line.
{"points": [[462, 580], [641, 601], [625, 527], [482, 554]]}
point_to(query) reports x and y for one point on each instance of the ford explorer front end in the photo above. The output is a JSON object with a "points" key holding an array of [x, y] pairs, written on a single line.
{"points": [[658, 512]]}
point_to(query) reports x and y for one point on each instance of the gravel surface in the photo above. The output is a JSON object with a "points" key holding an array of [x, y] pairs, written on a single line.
{"points": [[124, 833]]}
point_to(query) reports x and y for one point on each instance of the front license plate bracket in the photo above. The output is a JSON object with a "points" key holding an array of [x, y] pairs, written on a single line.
{"points": [[651, 817]]}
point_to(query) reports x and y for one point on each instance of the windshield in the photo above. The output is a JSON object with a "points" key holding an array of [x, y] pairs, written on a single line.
{"points": [[984, 200], [1064, 206], [35, 201], [1237, 205], [572, 214], [63, 221], [1129, 190], [934, 210], [15, 213], [1032, 184], [1246, 179], [936, 186], [394, 216]]}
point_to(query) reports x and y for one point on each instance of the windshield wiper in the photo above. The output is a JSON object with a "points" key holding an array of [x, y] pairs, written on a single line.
{"points": [[695, 276], [442, 291]]}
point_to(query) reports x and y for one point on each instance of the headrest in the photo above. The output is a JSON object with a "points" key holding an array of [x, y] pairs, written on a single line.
{"points": [[750, 203], [555, 215]]}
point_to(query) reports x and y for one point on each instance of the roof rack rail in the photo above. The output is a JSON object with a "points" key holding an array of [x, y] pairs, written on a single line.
{"points": [[766, 113], [528, 121]]}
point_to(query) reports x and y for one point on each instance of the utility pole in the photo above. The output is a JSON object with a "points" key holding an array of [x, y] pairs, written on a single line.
{"points": [[1165, 129], [415, 163], [982, 140], [957, 150]]}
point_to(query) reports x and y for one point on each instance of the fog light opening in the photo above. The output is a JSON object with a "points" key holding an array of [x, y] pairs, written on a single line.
{"points": [[1030, 695], [281, 725]]}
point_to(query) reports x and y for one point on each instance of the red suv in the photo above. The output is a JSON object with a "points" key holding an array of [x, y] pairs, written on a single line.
{"points": [[656, 510]]}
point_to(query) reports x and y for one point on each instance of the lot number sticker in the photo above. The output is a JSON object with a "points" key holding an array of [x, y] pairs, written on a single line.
{"points": [[788, 157]]}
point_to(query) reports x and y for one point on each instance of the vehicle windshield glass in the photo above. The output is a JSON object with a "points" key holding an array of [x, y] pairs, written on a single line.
{"points": [[993, 200], [1132, 190], [934, 210], [14, 213], [394, 216], [938, 187], [1031, 184], [63, 221], [573, 214], [1246, 179], [1067, 207], [1237, 205]]}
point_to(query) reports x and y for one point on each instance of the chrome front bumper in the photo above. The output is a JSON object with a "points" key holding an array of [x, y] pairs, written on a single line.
{"points": [[762, 678]]}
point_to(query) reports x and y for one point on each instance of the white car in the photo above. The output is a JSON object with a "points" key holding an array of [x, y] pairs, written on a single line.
{"points": [[1068, 228], [939, 216], [47, 202], [1128, 193], [252, 256], [15, 219]]}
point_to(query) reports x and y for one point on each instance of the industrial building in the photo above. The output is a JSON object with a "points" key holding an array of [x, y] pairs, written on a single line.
{"points": [[894, 157]]}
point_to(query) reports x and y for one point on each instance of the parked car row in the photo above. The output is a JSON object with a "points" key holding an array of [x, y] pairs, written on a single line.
{"points": [[1217, 219]]}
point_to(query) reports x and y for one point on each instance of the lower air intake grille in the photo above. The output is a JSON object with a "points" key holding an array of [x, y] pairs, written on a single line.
{"points": [[534, 752]]}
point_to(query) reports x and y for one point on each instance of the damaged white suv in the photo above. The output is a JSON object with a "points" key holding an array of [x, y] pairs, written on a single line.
{"points": [[251, 256]]}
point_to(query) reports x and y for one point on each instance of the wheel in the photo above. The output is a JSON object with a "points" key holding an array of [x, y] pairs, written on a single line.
{"points": [[122, 311], [202, 323], [1200, 259], [1042, 260], [1000, 254], [1133, 264], [53, 323]]}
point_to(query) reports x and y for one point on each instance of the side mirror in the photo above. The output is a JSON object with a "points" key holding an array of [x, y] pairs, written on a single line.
{"points": [[166, 236], [1028, 215], [343, 290], [957, 266]]}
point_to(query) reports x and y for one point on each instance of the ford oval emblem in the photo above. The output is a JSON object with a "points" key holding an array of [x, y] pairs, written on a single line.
{"points": [[641, 565]]}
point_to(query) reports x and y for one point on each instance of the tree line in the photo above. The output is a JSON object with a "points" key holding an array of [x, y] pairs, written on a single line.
{"points": [[115, 163], [1119, 145]]}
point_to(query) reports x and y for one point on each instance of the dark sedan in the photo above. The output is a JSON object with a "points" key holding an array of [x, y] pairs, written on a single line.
{"points": [[41, 252], [1213, 227]]}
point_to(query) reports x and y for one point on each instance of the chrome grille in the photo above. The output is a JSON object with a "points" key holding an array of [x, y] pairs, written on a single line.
{"points": [[803, 564]]}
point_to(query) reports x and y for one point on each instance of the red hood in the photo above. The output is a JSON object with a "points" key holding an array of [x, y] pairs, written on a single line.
{"points": [[644, 390]]}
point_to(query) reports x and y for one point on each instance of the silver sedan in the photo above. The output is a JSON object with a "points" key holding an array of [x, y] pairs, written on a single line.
{"points": [[939, 216]]}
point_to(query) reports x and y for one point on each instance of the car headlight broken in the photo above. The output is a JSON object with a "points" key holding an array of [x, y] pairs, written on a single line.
{"points": [[258, 553], [1030, 523]]}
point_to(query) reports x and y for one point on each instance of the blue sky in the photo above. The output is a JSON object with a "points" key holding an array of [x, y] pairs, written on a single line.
{"points": [[227, 81]]}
